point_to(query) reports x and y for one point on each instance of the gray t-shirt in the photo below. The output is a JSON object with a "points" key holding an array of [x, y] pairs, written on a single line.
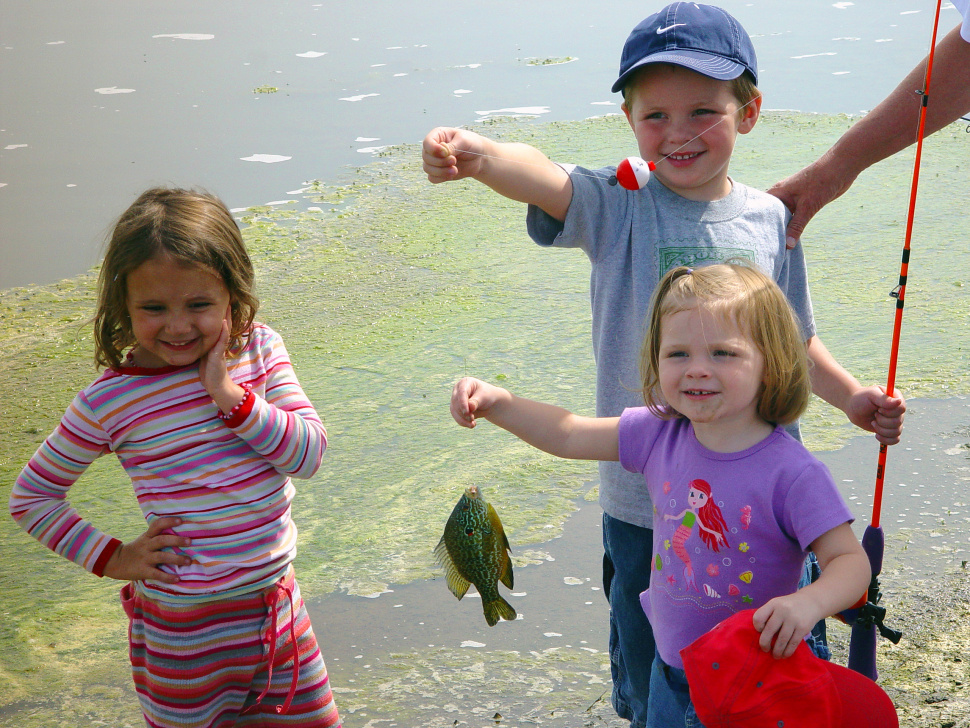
{"points": [[632, 238]]}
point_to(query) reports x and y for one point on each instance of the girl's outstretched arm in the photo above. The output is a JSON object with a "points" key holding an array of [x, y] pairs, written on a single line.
{"points": [[549, 428], [845, 577]]}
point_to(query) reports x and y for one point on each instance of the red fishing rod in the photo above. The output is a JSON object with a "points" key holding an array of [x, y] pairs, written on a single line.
{"points": [[869, 619]]}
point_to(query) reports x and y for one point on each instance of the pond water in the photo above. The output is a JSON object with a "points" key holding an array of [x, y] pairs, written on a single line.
{"points": [[102, 100], [386, 290]]}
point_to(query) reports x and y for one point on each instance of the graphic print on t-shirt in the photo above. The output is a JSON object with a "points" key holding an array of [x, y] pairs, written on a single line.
{"points": [[694, 256], [699, 549]]}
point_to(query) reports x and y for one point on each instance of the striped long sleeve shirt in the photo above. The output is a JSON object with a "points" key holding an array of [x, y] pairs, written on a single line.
{"points": [[228, 480]]}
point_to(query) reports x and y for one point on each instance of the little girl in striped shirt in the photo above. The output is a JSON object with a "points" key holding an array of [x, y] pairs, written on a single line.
{"points": [[203, 409]]}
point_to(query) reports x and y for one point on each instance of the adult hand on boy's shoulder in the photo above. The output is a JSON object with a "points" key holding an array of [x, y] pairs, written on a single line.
{"points": [[450, 154], [808, 191], [872, 409]]}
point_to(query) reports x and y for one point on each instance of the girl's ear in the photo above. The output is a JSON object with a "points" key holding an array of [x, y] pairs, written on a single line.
{"points": [[751, 113]]}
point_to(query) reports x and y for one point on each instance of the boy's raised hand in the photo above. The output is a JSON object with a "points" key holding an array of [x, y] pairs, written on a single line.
{"points": [[451, 154]]}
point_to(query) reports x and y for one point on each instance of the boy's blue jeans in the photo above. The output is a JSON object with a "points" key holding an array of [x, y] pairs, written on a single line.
{"points": [[670, 705], [628, 551]]}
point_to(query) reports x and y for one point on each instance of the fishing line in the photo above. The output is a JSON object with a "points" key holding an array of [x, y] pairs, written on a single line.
{"points": [[638, 164]]}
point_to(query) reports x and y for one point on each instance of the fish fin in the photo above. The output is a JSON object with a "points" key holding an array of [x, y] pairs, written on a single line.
{"points": [[507, 573], [498, 608], [496, 523], [456, 582]]}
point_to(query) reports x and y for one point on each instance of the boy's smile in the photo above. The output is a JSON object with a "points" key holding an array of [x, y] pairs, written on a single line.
{"points": [[687, 123]]}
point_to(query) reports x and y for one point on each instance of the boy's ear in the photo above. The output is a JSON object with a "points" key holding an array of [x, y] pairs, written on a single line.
{"points": [[626, 110], [751, 113]]}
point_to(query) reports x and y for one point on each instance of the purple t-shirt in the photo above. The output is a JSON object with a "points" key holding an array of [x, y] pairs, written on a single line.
{"points": [[730, 529]]}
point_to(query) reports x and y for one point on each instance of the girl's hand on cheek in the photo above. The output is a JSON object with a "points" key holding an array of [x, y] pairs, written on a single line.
{"points": [[212, 366], [214, 373]]}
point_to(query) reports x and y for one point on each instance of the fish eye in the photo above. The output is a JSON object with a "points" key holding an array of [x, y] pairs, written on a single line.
{"points": [[470, 532]]}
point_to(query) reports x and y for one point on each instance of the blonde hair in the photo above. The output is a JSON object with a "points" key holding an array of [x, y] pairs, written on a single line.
{"points": [[754, 303], [193, 228], [745, 91]]}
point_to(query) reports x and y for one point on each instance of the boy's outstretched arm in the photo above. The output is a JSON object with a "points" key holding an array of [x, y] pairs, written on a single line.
{"points": [[516, 171], [784, 621], [544, 426], [867, 407]]}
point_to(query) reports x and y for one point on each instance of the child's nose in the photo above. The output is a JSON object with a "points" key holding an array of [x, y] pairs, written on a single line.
{"points": [[679, 131], [698, 369], [177, 324]]}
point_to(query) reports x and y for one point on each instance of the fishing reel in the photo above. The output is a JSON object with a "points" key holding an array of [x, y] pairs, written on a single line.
{"points": [[871, 614]]}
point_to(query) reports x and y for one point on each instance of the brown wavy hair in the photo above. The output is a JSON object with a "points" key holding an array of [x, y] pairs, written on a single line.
{"points": [[745, 296], [192, 227]]}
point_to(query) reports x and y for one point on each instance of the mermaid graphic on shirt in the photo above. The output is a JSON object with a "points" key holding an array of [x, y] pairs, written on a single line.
{"points": [[702, 510]]}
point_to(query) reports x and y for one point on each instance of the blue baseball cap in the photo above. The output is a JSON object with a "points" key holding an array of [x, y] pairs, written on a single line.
{"points": [[703, 38]]}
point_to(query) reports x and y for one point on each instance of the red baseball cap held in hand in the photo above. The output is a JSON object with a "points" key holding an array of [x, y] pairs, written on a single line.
{"points": [[733, 684]]}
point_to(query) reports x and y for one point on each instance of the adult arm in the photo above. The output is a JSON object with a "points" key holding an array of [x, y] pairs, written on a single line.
{"points": [[887, 129]]}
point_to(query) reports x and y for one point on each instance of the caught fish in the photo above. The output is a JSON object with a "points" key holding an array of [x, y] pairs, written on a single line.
{"points": [[474, 550]]}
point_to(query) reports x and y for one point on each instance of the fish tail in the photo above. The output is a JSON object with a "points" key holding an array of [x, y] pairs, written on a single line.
{"points": [[689, 577], [497, 609]]}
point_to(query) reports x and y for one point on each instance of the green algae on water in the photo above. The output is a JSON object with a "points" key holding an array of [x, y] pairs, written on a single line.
{"points": [[388, 289]]}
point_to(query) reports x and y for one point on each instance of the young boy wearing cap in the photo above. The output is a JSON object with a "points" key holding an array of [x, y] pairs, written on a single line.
{"points": [[688, 75]]}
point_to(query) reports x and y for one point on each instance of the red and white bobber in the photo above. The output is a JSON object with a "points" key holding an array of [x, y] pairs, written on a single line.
{"points": [[633, 172]]}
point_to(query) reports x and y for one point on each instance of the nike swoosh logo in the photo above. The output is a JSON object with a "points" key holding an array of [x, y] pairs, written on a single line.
{"points": [[664, 30]]}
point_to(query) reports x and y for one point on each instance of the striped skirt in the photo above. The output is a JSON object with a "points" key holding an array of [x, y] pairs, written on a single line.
{"points": [[250, 660]]}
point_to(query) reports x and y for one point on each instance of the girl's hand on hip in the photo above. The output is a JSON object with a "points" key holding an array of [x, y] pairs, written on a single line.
{"points": [[139, 560]]}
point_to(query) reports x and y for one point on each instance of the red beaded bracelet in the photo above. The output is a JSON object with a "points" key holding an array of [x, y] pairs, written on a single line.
{"points": [[242, 403]]}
